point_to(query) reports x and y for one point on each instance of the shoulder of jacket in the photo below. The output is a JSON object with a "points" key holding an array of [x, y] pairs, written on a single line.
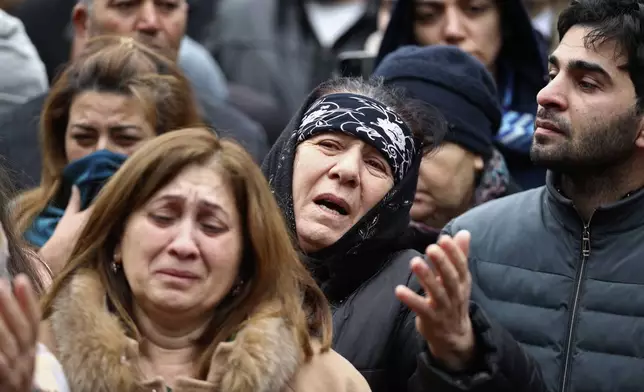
{"points": [[328, 371], [512, 206], [10, 26]]}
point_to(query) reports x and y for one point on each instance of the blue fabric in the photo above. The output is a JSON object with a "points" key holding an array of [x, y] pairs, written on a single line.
{"points": [[89, 174]]}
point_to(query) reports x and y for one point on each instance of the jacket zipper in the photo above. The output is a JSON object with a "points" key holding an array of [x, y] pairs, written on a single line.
{"points": [[585, 253]]}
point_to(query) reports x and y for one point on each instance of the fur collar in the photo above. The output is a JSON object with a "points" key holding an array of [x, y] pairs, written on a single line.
{"points": [[97, 355]]}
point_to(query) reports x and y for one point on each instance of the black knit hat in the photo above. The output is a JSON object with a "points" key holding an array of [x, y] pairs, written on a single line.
{"points": [[454, 82]]}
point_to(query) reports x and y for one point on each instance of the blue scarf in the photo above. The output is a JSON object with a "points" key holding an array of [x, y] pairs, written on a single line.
{"points": [[517, 127], [89, 174]]}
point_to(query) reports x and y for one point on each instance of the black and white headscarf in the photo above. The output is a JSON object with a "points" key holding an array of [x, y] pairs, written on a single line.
{"points": [[360, 253], [365, 119]]}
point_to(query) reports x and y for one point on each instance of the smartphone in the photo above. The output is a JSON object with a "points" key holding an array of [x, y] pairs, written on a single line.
{"points": [[355, 64]]}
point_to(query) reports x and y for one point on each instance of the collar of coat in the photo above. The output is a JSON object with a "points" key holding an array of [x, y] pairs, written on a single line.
{"points": [[621, 216], [97, 355]]}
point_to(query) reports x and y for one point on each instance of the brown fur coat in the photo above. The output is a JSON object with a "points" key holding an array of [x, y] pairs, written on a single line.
{"points": [[97, 356]]}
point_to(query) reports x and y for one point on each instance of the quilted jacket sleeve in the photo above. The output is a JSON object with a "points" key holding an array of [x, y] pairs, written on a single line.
{"points": [[502, 363]]}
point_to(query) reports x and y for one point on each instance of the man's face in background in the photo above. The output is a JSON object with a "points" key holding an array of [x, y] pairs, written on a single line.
{"points": [[160, 24]]}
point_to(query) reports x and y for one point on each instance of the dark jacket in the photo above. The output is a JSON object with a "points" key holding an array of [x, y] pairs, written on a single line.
{"points": [[20, 148], [571, 293], [274, 50], [359, 272], [521, 74]]}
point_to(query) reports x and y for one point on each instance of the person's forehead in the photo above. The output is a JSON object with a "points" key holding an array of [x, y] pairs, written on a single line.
{"points": [[575, 46]]}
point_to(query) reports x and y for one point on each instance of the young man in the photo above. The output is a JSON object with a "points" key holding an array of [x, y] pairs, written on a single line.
{"points": [[560, 267]]}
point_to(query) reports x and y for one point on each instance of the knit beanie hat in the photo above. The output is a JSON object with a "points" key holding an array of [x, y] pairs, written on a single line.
{"points": [[454, 82]]}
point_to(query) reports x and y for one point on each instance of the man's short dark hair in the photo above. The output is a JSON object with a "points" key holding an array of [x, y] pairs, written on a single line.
{"points": [[621, 21]]}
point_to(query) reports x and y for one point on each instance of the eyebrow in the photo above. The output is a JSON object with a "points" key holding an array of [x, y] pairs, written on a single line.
{"points": [[581, 65], [113, 128], [124, 127], [211, 205]]}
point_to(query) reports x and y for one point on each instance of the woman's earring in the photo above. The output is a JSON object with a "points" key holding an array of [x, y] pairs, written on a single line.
{"points": [[116, 261], [238, 288]]}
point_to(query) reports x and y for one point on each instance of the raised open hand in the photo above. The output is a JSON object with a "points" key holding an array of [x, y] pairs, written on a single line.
{"points": [[19, 321], [442, 315]]}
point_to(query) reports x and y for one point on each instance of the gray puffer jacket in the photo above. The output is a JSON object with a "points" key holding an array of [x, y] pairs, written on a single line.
{"points": [[572, 293]]}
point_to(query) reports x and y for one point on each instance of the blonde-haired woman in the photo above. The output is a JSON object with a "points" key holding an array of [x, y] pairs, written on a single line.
{"points": [[185, 279], [104, 106]]}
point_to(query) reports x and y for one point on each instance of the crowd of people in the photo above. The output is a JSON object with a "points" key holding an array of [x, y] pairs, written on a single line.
{"points": [[321, 195]]}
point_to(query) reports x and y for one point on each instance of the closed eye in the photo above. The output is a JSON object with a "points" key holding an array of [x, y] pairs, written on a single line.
{"points": [[127, 140], [587, 86], [377, 164], [213, 228], [124, 5], [329, 144], [162, 219], [168, 6], [84, 139]]}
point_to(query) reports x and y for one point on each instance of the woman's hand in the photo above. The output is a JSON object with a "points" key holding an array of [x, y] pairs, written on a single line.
{"points": [[442, 315], [59, 247], [19, 321]]}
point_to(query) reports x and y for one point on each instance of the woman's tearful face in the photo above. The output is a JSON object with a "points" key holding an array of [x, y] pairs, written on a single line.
{"points": [[337, 179], [182, 250]]}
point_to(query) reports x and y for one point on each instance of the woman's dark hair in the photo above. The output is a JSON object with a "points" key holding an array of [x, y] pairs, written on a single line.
{"points": [[426, 123], [621, 21], [19, 261]]}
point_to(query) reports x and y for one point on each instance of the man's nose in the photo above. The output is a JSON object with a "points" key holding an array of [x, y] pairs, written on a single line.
{"points": [[553, 94], [148, 19]]}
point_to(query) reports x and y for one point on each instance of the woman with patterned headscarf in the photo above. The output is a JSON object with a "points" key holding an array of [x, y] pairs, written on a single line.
{"points": [[344, 173]]}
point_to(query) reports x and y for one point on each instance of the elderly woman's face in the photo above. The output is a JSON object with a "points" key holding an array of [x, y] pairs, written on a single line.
{"points": [[182, 250], [105, 121], [337, 179]]}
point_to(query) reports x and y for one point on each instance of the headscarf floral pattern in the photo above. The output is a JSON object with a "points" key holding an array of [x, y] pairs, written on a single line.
{"points": [[366, 119]]}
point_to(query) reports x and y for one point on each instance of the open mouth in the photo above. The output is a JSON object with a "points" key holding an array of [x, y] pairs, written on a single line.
{"points": [[332, 204]]}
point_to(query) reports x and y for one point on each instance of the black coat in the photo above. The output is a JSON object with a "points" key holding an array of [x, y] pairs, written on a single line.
{"points": [[376, 332], [358, 275]]}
